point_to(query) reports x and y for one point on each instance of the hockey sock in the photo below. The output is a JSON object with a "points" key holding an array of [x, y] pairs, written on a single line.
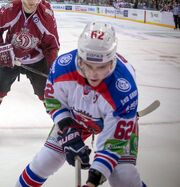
{"points": [[28, 178]]}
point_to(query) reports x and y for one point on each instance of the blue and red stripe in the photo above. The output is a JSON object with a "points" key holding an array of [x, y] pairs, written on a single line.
{"points": [[109, 160], [28, 178]]}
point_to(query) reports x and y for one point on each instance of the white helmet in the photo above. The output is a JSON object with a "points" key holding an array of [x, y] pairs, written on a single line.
{"points": [[97, 43]]}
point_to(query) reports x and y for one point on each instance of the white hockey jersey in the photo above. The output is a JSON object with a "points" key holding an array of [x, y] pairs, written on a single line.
{"points": [[108, 110]]}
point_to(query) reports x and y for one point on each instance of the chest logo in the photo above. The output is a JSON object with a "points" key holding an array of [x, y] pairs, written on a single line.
{"points": [[24, 40]]}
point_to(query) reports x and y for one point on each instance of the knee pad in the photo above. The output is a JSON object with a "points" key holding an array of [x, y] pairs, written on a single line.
{"points": [[46, 162], [125, 175]]}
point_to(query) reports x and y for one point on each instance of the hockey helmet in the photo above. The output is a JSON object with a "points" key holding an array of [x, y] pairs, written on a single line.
{"points": [[97, 43]]}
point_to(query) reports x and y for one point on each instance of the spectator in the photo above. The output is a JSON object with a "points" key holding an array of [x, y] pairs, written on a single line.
{"points": [[176, 15]]}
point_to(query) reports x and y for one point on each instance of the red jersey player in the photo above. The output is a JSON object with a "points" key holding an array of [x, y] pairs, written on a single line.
{"points": [[31, 36]]}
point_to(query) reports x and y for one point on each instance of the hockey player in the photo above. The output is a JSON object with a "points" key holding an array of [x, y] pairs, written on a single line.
{"points": [[31, 38], [90, 91]]}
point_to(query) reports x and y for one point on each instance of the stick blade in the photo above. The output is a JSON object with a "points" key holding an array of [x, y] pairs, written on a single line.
{"points": [[153, 106]]}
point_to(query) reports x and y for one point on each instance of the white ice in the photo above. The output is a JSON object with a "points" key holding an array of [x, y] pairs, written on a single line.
{"points": [[155, 53]]}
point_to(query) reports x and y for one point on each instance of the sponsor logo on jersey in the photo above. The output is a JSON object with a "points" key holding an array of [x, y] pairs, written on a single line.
{"points": [[117, 146], [65, 60], [123, 85]]}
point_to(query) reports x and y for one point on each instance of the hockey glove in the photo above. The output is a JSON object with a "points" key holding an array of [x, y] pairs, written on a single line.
{"points": [[72, 144], [6, 55]]}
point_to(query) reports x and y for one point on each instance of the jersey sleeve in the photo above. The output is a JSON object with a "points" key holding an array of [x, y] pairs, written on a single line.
{"points": [[55, 99], [5, 19], [50, 40], [56, 91]]}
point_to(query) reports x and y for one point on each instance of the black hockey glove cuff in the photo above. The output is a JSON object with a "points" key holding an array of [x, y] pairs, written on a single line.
{"points": [[95, 177], [64, 125]]}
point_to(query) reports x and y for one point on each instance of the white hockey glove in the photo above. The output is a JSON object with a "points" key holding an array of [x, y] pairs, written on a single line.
{"points": [[7, 55]]}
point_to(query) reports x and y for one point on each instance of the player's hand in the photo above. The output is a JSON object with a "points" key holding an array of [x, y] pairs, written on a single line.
{"points": [[73, 146], [6, 55]]}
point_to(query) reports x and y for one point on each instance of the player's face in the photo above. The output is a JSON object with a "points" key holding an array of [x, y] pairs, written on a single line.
{"points": [[30, 6], [95, 73]]}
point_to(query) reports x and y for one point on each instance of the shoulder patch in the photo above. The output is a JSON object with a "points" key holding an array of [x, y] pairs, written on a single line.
{"points": [[35, 19], [6, 6], [123, 85], [48, 11], [65, 59]]}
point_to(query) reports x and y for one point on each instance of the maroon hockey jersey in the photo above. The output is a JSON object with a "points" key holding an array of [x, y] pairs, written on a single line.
{"points": [[33, 37]]}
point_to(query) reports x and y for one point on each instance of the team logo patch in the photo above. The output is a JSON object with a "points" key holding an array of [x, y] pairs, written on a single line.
{"points": [[65, 60], [24, 40], [35, 19], [123, 85]]}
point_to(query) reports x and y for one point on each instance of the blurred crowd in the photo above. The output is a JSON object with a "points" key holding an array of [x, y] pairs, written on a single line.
{"points": [[161, 5], [164, 5]]}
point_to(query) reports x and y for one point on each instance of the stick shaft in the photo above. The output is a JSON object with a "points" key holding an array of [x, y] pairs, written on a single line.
{"points": [[77, 172], [34, 70]]}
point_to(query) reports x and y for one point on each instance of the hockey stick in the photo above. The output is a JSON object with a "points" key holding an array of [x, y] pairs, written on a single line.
{"points": [[153, 106], [77, 172], [18, 63], [34, 70]]}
